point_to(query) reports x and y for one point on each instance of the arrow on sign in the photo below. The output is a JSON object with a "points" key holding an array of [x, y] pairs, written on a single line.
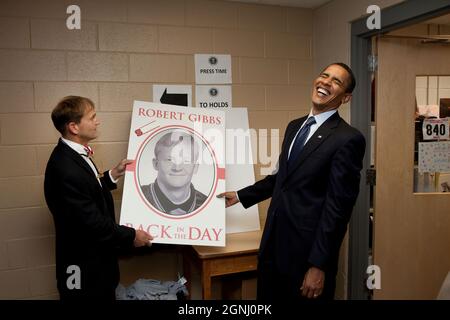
{"points": [[178, 99]]}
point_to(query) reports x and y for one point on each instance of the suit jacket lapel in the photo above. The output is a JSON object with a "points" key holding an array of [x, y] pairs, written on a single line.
{"points": [[316, 140], [77, 158]]}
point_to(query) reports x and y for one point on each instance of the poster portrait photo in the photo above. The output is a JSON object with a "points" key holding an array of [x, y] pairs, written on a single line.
{"points": [[176, 172]]}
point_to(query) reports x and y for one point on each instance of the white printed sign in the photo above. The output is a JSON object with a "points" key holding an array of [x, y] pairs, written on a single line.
{"points": [[434, 156], [179, 95], [213, 69], [170, 190], [435, 129], [213, 96]]}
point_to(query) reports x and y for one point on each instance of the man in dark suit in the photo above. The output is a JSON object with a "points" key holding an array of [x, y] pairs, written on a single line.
{"points": [[81, 203], [313, 194]]}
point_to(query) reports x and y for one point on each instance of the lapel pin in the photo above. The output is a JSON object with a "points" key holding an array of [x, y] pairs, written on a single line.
{"points": [[320, 137]]}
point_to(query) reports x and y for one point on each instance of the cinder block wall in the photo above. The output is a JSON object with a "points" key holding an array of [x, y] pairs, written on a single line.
{"points": [[122, 49]]}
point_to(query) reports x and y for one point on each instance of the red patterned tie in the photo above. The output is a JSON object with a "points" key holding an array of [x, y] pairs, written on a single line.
{"points": [[89, 151], [89, 154]]}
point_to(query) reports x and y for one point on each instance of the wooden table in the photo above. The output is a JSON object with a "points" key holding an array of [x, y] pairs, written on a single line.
{"points": [[239, 255]]}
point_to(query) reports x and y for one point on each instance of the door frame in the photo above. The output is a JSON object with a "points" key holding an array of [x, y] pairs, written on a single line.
{"points": [[398, 16]]}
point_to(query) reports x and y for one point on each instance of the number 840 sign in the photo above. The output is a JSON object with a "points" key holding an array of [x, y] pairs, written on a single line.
{"points": [[435, 129]]}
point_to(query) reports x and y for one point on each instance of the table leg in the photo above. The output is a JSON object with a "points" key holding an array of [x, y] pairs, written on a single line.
{"points": [[187, 272], [206, 280]]}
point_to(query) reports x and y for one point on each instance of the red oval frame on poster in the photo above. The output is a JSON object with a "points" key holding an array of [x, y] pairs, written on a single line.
{"points": [[216, 172]]}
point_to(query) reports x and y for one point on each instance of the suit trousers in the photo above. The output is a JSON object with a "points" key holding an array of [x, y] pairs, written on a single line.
{"points": [[275, 286]]}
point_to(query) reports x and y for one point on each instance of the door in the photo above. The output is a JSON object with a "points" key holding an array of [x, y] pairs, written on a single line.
{"points": [[411, 236]]}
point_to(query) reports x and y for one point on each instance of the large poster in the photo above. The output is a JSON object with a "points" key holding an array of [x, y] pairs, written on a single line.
{"points": [[179, 168]]}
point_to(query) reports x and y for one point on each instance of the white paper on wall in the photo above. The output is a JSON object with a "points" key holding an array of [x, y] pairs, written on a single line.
{"points": [[435, 129], [434, 156], [179, 168], [174, 94], [213, 96], [213, 68]]}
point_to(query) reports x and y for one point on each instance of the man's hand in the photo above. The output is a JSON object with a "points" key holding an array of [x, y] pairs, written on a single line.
{"points": [[142, 239], [313, 283], [230, 198], [119, 170]]}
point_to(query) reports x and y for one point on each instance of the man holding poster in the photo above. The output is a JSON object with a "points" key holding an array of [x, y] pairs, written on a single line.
{"points": [[79, 198]]}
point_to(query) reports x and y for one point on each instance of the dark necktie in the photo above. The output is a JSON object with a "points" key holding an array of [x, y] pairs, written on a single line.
{"points": [[300, 140]]}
